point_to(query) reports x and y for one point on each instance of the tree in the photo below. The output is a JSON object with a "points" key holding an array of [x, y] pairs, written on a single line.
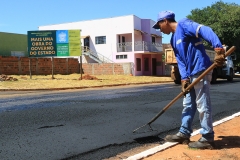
{"points": [[224, 19]]}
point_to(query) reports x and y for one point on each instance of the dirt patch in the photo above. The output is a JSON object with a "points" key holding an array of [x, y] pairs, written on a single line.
{"points": [[88, 77], [4, 77], [73, 81], [227, 141]]}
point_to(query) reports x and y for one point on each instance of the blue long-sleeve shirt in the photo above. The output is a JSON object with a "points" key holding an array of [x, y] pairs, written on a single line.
{"points": [[188, 47]]}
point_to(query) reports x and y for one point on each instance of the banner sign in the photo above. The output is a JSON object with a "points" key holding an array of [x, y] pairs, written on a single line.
{"points": [[54, 43]]}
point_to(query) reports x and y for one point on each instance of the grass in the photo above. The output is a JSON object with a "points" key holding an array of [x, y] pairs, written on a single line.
{"points": [[72, 81]]}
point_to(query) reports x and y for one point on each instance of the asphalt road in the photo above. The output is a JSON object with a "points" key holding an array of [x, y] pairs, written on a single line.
{"points": [[96, 123]]}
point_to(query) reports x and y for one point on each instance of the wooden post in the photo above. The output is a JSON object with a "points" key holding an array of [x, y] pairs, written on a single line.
{"points": [[19, 66], [30, 71], [52, 68], [67, 65], [81, 66], [37, 70]]}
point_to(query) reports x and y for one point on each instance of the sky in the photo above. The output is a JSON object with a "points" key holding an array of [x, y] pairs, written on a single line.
{"points": [[20, 16]]}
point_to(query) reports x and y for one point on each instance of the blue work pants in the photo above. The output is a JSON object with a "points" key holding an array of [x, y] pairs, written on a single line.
{"points": [[198, 99]]}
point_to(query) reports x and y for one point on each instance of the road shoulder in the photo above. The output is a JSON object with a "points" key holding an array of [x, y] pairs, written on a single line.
{"points": [[227, 141]]}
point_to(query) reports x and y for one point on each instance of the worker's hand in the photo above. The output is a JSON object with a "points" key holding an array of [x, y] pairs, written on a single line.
{"points": [[219, 56], [185, 83]]}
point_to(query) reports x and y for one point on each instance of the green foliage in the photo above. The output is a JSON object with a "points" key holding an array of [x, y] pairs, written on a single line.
{"points": [[224, 19]]}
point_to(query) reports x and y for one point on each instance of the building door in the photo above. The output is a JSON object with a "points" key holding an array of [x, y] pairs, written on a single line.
{"points": [[123, 44], [146, 64], [154, 66], [86, 42]]}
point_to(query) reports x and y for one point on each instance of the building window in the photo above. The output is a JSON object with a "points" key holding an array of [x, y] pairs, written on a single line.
{"points": [[138, 64], [146, 64], [121, 56], [100, 40], [153, 39]]}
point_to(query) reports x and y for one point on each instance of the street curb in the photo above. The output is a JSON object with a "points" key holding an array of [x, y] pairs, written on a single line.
{"points": [[85, 87], [167, 145]]}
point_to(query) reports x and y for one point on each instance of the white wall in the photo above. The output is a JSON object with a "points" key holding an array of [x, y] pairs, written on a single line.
{"points": [[137, 23]]}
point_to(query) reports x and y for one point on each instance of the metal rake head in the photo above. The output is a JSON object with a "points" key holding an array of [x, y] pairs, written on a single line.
{"points": [[144, 129]]}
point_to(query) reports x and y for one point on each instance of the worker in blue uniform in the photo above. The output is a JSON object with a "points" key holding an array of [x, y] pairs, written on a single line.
{"points": [[192, 60]]}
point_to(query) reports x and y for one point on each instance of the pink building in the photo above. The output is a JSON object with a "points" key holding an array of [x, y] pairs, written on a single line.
{"points": [[124, 39]]}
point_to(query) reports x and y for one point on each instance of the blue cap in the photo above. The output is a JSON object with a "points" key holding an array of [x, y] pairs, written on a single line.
{"points": [[162, 15]]}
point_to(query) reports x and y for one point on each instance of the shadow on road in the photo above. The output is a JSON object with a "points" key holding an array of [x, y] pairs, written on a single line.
{"points": [[228, 142]]}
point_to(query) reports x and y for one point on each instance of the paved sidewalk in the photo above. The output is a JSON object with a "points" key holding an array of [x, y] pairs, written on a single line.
{"points": [[227, 141]]}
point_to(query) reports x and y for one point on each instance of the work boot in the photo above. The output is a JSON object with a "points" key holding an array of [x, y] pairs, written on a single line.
{"points": [[179, 137], [202, 143]]}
